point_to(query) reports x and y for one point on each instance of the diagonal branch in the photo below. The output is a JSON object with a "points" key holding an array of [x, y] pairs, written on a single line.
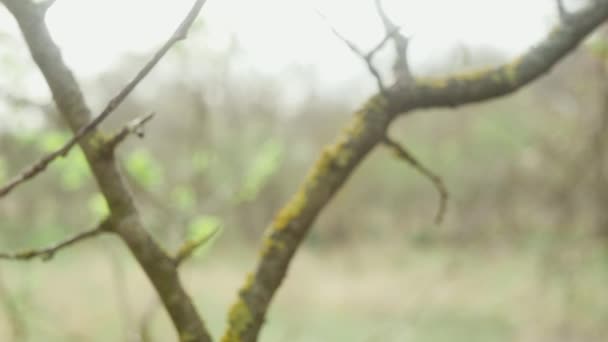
{"points": [[48, 253], [125, 218], [490, 83], [366, 130], [179, 34], [402, 153]]}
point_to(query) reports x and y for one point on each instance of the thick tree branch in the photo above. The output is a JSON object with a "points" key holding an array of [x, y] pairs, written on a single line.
{"points": [[48, 253], [489, 83], [366, 130], [402, 153], [125, 219], [39, 166]]}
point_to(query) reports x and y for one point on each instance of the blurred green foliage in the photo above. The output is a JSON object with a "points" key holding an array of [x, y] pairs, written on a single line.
{"points": [[98, 207], [203, 230], [264, 165], [144, 168]]}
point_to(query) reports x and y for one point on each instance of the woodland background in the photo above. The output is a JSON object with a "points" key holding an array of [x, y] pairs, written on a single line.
{"points": [[522, 254]]}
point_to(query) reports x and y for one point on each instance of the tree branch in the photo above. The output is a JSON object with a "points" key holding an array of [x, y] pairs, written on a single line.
{"points": [[365, 131], [490, 83], [179, 34], [48, 253], [401, 67], [402, 153], [133, 127], [125, 218], [367, 58], [190, 246]]}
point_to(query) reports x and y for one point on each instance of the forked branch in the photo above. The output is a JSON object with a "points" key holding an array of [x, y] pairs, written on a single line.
{"points": [[366, 130], [180, 33]]}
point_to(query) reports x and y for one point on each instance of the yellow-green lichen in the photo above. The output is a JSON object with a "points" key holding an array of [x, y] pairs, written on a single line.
{"points": [[97, 140], [434, 82], [291, 210], [240, 316], [511, 71], [270, 244], [186, 337]]}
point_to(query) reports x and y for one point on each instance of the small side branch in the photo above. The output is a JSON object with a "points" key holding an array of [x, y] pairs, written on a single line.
{"points": [[49, 252], [179, 34], [402, 153], [45, 5], [134, 127], [561, 10], [366, 57], [401, 66], [188, 248]]}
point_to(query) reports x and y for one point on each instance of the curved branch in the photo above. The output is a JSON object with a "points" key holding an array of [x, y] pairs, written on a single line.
{"points": [[366, 130], [402, 153]]}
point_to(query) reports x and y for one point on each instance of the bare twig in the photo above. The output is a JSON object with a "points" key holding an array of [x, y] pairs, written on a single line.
{"points": [[401, 66], [45, 5], [188, 248], [405, 155], [33, 170], [561, 10], [133, 127], [48, 253], [366, 57]]}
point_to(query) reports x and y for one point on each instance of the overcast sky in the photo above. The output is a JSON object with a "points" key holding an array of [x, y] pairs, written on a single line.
{"points": [[94, 34]]}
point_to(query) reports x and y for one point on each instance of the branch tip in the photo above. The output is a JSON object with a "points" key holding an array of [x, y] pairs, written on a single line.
{"points": [[47, 253], [402, 153]]}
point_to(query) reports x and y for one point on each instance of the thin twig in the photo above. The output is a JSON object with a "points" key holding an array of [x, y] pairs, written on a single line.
{"points": [[48, 253], [33, 170], [133, 127], [188, 248], [45, 5], [401, 66], [561, 10], [366, 57], [405, 155]]}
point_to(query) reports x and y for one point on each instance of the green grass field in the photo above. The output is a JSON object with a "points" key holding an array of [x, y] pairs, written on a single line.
{"points": [[434, 292]]}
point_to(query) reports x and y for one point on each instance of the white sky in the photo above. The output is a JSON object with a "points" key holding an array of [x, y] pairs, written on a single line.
{"points": [[274, 33]]}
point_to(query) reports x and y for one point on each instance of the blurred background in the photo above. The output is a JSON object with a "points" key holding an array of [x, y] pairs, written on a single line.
{"points": [[244, 107]]}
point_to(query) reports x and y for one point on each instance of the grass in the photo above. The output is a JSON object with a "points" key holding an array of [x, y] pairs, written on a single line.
{"points": [[391, 291]]}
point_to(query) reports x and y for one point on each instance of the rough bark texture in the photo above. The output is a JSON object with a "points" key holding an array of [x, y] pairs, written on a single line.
{"points": [[125, 219], [366, 130]]}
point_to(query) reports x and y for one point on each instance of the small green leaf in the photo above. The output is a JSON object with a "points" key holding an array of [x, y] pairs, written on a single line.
{"points": [[264, 165], [74, 170], [98, 206], [51, 141], [200, 162], [184, 198], [202, 231], [144, 168]]}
